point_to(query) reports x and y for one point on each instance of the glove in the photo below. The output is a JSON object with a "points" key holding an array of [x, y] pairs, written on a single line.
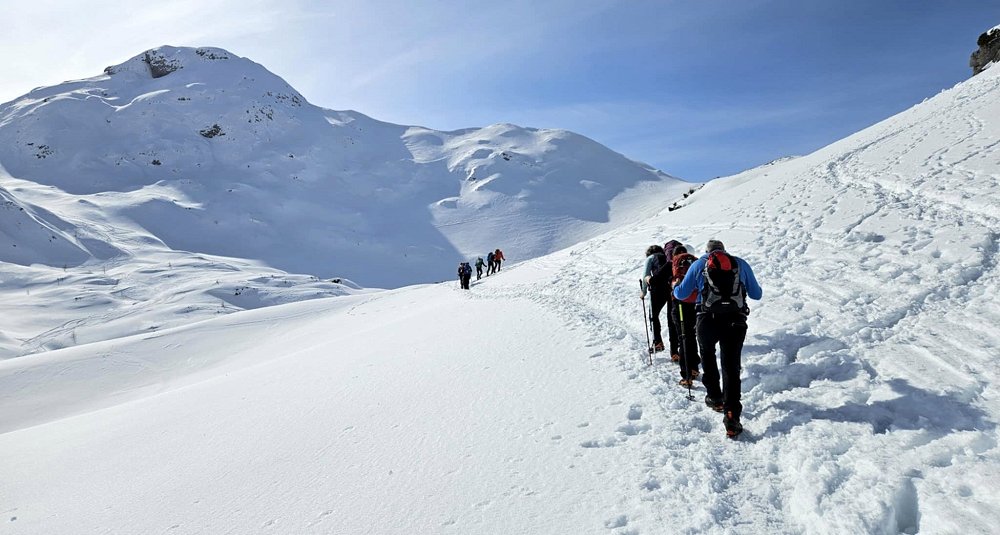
{"points": [[642, 295]]}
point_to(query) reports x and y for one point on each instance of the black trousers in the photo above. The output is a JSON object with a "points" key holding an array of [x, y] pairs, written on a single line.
{"points": [[684, 317], [657, 300], [465, 281], [673, 326], [479, 272], [728, 331]]}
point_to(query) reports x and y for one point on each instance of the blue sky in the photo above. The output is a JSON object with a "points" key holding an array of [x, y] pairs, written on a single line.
{"points": [[697, 89]]}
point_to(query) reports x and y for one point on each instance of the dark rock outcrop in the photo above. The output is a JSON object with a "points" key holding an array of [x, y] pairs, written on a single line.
{"points": [[160, 66], [989, 50]]}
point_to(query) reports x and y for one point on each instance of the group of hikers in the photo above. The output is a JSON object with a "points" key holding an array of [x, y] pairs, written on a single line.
{"points": [[706, 306], [706, 302], [493, 260]]}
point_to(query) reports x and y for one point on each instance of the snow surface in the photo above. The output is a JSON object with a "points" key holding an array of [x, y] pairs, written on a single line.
{"points": [[525, 405]]}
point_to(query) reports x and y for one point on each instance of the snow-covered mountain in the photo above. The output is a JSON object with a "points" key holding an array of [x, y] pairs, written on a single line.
{"points": [[525, 405], [208, 152], [197, 157]]}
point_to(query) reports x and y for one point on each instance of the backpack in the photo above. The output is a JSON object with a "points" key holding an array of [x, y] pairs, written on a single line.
{"points": [[723, 293], [682, 263], [659, 273], [465, 269], [668, 248]]}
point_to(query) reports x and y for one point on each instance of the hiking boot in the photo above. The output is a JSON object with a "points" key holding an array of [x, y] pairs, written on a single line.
{"points": [[714, 404], [733, 425], [675, 357], [658, 347], [686, 383]]}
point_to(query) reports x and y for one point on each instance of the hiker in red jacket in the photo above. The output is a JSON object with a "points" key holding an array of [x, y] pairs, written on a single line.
{"points": [[497, 257], [683, 315]]}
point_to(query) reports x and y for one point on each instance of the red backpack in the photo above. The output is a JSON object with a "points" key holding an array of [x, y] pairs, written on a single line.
{"points": [[682, 262], [723, 292]]}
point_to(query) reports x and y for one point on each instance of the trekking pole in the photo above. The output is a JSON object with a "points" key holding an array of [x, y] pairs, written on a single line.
{"points": [[645, 321], [685, 347]]}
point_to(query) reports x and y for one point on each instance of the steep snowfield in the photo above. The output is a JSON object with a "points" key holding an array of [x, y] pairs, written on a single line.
{"points": [[525, 405], [202, 158]]}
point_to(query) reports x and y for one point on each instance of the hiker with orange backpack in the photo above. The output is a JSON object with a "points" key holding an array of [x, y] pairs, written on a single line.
{"points": [[497, 258], [673, 332], [722, 282]]}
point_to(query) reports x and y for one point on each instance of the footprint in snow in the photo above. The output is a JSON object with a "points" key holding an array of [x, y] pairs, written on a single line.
{"points": [[619, 521]]}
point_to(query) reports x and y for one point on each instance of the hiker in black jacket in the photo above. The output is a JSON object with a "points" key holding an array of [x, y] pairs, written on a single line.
{"points": [[656, 280]]}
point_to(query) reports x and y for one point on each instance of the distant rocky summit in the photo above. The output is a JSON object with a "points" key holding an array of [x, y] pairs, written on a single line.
{"points": [[989, 50]]}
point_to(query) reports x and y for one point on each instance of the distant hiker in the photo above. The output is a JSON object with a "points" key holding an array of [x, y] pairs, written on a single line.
{"points": [[497, 258], [464, 274], [489, 260], [479, 268], [656, 280], [683, 315], [673, 332], [723, 282]]}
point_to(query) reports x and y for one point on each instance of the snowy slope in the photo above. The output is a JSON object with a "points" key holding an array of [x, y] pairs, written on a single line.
{"points": [[524, 405], [200, 158]]}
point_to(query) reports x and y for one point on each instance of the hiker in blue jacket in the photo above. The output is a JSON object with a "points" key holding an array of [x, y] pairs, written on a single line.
{"points": [[723, 283]]}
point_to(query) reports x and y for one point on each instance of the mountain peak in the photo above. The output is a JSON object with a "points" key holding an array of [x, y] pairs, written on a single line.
{"points": [[161, 61]]}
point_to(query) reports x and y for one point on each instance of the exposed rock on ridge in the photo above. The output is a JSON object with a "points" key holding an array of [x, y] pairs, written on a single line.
{"points": [[989, 50]]}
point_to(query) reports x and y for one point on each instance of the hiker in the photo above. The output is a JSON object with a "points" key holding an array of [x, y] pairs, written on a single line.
{"points": [[497, 257], [673, 334], [479, 268], [683, 315], [723, 282], [656, 279], [464, 274], [489, 260]]}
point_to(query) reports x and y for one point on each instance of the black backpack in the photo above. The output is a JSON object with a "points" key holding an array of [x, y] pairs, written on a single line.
{"points": [[660, 273], [723, 292]]}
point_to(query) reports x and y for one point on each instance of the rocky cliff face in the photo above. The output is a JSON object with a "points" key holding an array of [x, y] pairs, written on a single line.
{"points": [[989, 50]]}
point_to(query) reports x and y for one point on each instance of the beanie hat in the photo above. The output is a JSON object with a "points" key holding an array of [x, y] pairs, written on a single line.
{"points": [[714, 245]]}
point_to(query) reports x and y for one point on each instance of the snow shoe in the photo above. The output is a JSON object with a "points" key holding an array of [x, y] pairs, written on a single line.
{"points": [[714, 404], [675, 357], [658, 346], [733, 425]]}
